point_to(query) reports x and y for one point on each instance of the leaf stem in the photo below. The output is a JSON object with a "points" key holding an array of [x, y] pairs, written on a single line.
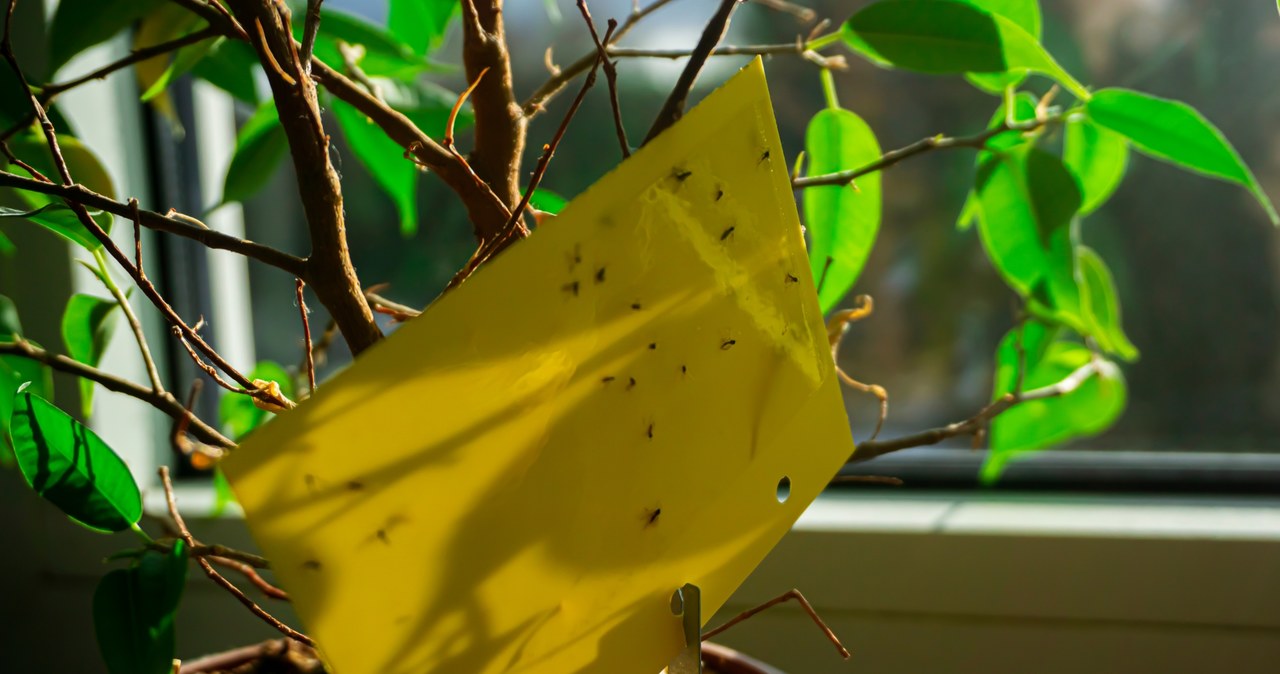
{"points": [[829, 89], [134, 324]]}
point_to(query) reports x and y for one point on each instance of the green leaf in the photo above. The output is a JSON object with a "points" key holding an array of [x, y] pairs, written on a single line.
{"points": [[384, 55], [1177, 133], [1029, 426], [133, 612], [421, 24], [548, 201], [842, 222], [1027, 200], [154, 74], [183, 62], [1024, 108], [14, 102], [84, 165], [1023, 13], [87, 326], [59, 219], [15, 372], [237, 413], [80, 24], [7, 248], [384, 159], [949, 37], [71, 467], [260, 145], [1097, 157], [222, 494], [426, 104], [1102, 305], [10, 325], [231, 65]]}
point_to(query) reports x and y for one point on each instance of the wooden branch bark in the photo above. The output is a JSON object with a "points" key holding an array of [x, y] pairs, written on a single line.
{"points": [[500, 123], [673, 109], [329, 268]]}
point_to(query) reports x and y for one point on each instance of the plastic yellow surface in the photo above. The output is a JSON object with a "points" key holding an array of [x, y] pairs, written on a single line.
{"points": [[518, 480]]}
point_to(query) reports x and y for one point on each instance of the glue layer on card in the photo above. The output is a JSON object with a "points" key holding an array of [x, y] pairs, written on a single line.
{"points": [[518, 480]]}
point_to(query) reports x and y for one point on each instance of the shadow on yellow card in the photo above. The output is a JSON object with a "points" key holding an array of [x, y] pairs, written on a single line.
{"points": [[518, 480]]}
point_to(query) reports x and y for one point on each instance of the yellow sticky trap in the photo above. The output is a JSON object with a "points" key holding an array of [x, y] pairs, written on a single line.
{"points": [[518, 480]]}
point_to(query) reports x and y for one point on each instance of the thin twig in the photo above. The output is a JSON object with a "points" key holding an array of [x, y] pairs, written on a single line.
{"points": [[351, 55], [135, 325], [310, 29], [382, 305], [785, 596], [217, 577], [215, 550], [673, 108], [534, 104], [209, 369], [162, 400], [251, 575], [836, 329], [306, 336], [939, 142], [802, 14], [271, 57], [610, 75], [870, 450]]}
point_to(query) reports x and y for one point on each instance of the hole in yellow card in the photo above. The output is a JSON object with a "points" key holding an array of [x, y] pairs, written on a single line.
{"points": [[597, 417]]}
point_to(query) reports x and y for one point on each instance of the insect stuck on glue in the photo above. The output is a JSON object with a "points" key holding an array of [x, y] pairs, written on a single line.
{"points": [[652, 517]]}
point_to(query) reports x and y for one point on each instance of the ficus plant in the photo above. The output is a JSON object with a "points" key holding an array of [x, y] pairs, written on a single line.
{"points": [[1044, 162]]}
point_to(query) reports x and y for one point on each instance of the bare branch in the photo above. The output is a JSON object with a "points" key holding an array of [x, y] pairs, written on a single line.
{"points": [[978, 422], [309, 31], [673, 109], [785, 596], [499, 123], [217, 577], [306, 336], [610, 74], [161, 400]]}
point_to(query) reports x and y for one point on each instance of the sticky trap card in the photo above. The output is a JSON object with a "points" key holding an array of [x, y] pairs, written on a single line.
{"points": [[638, 396]]}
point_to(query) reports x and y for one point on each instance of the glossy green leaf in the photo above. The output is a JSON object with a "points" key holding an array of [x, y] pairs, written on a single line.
{"points": [[133, 612], [1024, 107], [183, 62], [421, 24], [1097, 157], [166, 23], [1177, 133], [71, 467], [949, 37], [384, 159], [384, 55], [230, 65], [7, 249], [80, 24], [1023, 13], [14, 103], [59, 219], [84, 165], [260, 146], [10, 325], [548, 201], [1090, 409], [237, 413], [1027, 200], [87, 326], [222, 494], [842, 221], [1102, 305], [16, 372]]}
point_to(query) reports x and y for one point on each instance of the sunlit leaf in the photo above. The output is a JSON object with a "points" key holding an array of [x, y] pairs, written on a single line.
{"points": [[949, 37], [237, 413], [71, 467], [80, 24], [87, 326], [222, 494], [384, 159], [548, 201], [230, 65], [166, 23], [1089, 409], [1024, 109], [842, 221], [1177, 133], [1102, 305], [421, 24], [260, 146], [384, 55], [1023, 13], [133, 612], [1097, 157]]}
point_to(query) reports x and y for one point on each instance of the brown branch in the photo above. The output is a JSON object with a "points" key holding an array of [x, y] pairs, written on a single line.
{"points": [[306, 336], [330, 272], [507, 234], [499, 123], [217, 577], [278, 655], [534, 104], [673, 109], [310, 29], [161, 400], [202, 550], [400, 312], [252, 576], [180, 225], [217, 15], [724, 660], [802, 14], [611, 76], [939, 142], [979, 422], [135, 326], [785, 596]]}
